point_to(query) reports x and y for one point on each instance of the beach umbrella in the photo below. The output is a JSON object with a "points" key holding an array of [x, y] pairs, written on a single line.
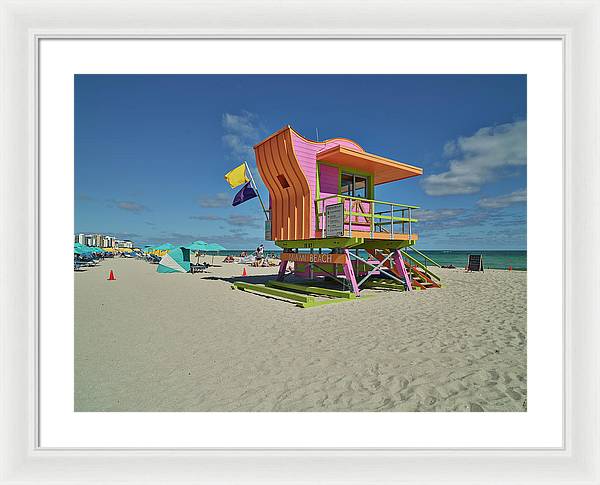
{"points": [[80, 250], [197, 246], [215, 247], [175, 261], [162, 249]]}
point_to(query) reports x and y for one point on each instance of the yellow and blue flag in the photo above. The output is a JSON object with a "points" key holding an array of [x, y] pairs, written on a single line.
{"points": [[237, 176], [243, 195]]}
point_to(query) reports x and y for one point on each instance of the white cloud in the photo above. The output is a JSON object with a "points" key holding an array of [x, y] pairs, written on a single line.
{"points": [[128, 205], [428, 215], [213, 201], [242, 132], [207, 217], [501, 201], [479, 159], [239, 220]]}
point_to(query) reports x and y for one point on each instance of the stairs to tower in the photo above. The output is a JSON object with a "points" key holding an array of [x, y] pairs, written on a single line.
{"points": [[420, 275]]}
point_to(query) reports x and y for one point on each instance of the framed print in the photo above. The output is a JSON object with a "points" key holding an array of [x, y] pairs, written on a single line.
{"points": [[303, 250]]}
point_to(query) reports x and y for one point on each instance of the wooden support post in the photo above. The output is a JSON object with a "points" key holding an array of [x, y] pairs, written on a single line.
{"points": [[401, 269], [349, 273], [282, 268]]}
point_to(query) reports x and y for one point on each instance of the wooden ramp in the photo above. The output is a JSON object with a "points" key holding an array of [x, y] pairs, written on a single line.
{"points": [[302, 295]]}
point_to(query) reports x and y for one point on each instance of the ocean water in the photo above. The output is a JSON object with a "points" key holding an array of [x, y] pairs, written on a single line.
{"points": [[517, 260]]}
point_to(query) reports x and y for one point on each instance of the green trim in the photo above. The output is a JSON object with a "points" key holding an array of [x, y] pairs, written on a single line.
{"points": [[425, 257], [318, 179], [385, 244], [404, 206], [329, 242], [384, 284], [323, 302], [373, 216], [418, 263]]}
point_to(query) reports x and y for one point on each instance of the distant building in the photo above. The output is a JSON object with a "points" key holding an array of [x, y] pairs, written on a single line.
{"points": [[100, 241], [108, 242], [123, 244]]}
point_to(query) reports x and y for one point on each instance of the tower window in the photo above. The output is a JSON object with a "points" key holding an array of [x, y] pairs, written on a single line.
{"points": [[283, 181]]}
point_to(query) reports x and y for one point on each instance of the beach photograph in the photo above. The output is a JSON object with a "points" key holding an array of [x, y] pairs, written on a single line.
{"points": [[300, 243]]}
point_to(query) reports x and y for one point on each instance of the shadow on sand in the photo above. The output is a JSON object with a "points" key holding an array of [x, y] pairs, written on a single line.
{"points": [[256, 279]]}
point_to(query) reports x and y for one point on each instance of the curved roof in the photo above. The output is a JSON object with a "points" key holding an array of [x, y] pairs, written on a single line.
{"points": [[383, 169]]}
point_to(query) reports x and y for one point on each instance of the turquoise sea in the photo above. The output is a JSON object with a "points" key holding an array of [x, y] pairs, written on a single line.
{"points": [[491, 259], [499, 259]]}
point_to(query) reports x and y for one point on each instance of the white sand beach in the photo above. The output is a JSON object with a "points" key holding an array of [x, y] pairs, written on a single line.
{"points": [[183, 342]]}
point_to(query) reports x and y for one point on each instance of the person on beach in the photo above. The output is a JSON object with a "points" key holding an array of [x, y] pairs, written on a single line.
{"points": [[260, 252], [259, 256]]}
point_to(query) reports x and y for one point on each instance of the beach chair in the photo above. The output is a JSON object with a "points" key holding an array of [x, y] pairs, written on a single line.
{"points": [[199, 268]]}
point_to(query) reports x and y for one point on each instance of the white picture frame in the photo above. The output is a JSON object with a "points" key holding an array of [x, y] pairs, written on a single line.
{"points": [[24, 24]]}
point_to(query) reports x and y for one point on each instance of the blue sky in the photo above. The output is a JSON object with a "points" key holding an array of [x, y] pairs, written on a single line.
{"points": [[151, 150]]}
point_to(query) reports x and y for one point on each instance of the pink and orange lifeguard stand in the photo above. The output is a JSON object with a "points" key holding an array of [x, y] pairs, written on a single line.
{"points": [[322, 199]]}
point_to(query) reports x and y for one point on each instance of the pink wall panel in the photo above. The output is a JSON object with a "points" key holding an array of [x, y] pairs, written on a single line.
{"points": [[328, 180], [306, 154]]}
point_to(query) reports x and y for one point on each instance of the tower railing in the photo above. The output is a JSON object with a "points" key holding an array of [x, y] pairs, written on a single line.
{"points": [[370, 216]]}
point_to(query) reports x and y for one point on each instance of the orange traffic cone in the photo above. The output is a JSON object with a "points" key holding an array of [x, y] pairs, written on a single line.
{"points": [[244, 272], [111, 276]]}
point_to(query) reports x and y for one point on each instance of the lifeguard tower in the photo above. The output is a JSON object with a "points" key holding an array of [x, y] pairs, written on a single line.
{"points": [[322, 198]]}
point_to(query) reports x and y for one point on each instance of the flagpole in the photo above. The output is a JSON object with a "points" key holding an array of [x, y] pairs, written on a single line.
{"points": [[257, 192]]}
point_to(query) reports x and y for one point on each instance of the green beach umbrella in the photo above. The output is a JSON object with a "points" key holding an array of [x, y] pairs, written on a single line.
{"points": [[78, 250], [197, 246], [175, 261], [82, 249], [163, 247], [215, 247]]}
